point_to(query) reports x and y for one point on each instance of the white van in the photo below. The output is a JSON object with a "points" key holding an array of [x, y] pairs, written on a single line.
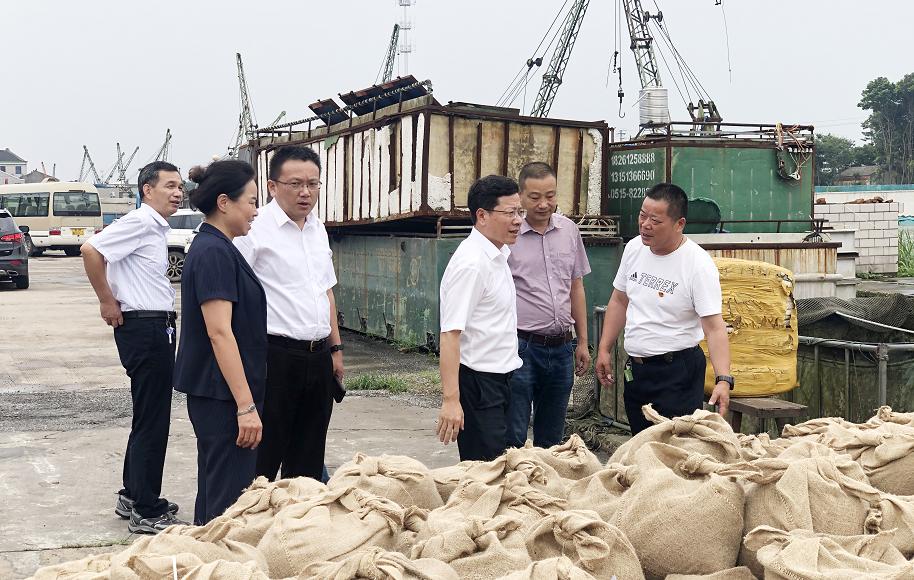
{"points": [[61, 215]]}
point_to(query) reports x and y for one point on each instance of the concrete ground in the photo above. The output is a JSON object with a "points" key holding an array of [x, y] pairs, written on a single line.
{"points": [[65, 416]]}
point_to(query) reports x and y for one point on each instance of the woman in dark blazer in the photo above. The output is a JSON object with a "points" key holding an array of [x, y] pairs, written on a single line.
{"points": [[222, 354]]}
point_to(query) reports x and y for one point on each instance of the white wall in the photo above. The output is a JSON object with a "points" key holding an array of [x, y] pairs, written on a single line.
{"points": [[876, 227]]}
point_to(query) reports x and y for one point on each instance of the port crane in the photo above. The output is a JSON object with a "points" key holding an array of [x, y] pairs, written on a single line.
{"points": [[552, 78], [88, 164], [391, 57], [162, 153], [247, 125]]}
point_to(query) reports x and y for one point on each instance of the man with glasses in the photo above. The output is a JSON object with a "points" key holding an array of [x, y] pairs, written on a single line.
{"points": [[478, 348], [549, 264], [289, 251]]}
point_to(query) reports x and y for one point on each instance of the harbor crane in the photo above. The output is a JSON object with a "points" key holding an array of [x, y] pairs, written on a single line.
{"points": [[117, 164], [162, 153], [552, 78], [391, 57], [87, 163], [122, 167], [247, 125]]}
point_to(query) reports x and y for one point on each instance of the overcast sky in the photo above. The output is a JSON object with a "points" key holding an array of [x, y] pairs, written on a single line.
{"points": [[96, 72]]}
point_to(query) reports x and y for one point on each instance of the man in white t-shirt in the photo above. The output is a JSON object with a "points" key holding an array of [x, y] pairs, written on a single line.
{"points": [[667, 298]]}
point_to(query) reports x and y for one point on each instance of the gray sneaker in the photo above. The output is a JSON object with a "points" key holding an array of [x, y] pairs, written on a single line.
{"points": [[124, 506], [141, 525]]}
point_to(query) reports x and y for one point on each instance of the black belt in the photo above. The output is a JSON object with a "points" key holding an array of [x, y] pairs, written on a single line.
{"points": [[305, 345], [166, 314], [666, 357], [542, 339]]}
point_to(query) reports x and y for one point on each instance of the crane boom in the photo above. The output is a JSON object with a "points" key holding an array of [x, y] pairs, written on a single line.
{"points": [[162, 154], [642, 44], [122, 169], [92, 170], [552, 78], [391, 55], [247, 126], [117, 164]]}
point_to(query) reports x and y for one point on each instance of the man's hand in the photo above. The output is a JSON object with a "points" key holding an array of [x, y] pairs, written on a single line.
{"points": [[111, 313], [450, 421], [250, 431], [720, 396], [338, 370], [604, 368], [582, 359]]}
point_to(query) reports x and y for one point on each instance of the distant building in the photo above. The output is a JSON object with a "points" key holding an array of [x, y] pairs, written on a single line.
{"points": [[35, 176], [12, 164], [8, 179], [858, 175]]}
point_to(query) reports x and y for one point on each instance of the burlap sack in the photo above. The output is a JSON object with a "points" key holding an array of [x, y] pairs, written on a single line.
{"points": [[471, 499], [593, 545], [738, 573], [329, 528], [525, 503], [801, 554], [820, 426], [599, 491], [701, 432], [885, 414], [96, 567], [476, 548], [398, 478], [258, 505], [683, 512], [560, 568], [378, 564], [758, 446], [447, 478], [190, 567], [808, 487], [885, 451], [571, 459], [528, 461]]}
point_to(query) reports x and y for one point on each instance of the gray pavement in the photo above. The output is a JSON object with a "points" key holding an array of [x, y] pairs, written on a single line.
{"points": [[65, 415]]}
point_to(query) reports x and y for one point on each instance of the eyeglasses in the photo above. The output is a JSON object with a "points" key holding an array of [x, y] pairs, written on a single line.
{"points": [[512, 213], [299, 185]]}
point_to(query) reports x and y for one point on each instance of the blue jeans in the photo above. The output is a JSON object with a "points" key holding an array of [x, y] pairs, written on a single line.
{"points": [[543, 383]]}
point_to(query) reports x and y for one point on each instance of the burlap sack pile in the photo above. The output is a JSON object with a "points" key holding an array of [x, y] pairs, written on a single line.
{"points": [[188, 567], [683, 511], [758, 446], [571, 460], [738, 573], [399, 478], [528, 461], [560, 568], [330, 527], [378, 564], [89, 568], [447, 478], [701, 432], [885, 414], [525, 503], [600, 491], [599, 548], [801, 555]]}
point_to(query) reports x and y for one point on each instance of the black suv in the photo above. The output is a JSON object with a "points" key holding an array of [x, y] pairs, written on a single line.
{"points": [[14, 259]]}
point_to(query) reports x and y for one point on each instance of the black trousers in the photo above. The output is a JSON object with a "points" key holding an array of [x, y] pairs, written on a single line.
{"points": [[485, 398], [149, 359], [223, 468], [296, 413], [675, 388]]}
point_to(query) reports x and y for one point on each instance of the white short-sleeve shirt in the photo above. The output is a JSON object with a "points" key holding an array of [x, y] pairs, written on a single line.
{"points": [[667, 297], [135, 246], [478, 298], [295, 266]]}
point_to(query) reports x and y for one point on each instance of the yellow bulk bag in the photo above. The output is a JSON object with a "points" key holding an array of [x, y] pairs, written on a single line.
{"points": [[760, 313]]}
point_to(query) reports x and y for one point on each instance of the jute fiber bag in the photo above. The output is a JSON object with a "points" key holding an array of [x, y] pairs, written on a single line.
{"points": [[379, 564], [885, 414], [540, 474], [738, 573], [677, 497], [447, 478], [527, 504], [571, 459], [602, 550], [258, 505], [190, 567], [96, 567], [599, 491], [886, 453], [398, 478], [759, 446], [701, 432], [805, 555], [471, 499], [560, 568], [477, 548], [329, 528]]}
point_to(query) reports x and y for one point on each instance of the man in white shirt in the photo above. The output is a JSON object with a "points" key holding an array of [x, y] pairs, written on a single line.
{"points": [[289, 251], [126, 264], [478, 348], [667, 297]]}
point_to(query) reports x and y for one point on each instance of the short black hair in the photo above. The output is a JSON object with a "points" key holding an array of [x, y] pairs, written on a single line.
{"points": [[485, 191], [229, 177], [291, 152], [534, 170], [674, 196], [150, 174]]}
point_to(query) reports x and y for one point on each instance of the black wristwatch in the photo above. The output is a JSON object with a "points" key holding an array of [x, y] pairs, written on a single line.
{"points": [[337, 347], [725, 378]]}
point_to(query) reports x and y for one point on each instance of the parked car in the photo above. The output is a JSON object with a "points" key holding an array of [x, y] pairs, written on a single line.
{"points": [[183, 223], [14, 254]]}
